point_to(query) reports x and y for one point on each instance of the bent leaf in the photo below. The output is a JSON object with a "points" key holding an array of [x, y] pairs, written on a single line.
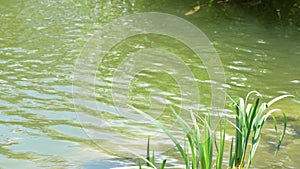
{"points": [[192, 11]]}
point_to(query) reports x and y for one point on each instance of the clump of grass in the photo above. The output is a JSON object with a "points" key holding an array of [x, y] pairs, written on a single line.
{"points": [[199, 152], [250, 119], [150, 161]]}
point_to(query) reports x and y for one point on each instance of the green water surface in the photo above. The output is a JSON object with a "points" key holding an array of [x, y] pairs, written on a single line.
{"points": [[40, 42]]}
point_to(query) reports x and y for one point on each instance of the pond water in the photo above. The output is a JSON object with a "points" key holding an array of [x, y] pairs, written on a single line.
{"points": [[40, 42]]}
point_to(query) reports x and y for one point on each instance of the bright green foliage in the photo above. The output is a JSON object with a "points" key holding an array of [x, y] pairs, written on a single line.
{"points": [[220, 150], [200, 147], [250, 119], [152, 162]]}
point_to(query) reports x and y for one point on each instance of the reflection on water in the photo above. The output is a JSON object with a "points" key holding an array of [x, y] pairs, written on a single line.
{"points": [[41, 40]]}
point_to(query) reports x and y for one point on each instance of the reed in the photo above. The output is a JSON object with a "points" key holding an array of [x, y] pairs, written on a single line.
{"points": [[250, 119], [199, 153], [150, 161]]}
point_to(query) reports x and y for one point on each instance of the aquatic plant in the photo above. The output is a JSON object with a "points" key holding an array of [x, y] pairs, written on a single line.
{"points": [[250, 119], [150, 161], [199, 152]]}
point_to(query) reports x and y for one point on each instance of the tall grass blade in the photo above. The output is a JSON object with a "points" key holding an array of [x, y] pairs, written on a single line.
{"points": [[282, 134], [153, 158], [148, 153], [231, 156], [278, 98], [220, 152], [163, 164], [140, 165], [166, 131]]}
